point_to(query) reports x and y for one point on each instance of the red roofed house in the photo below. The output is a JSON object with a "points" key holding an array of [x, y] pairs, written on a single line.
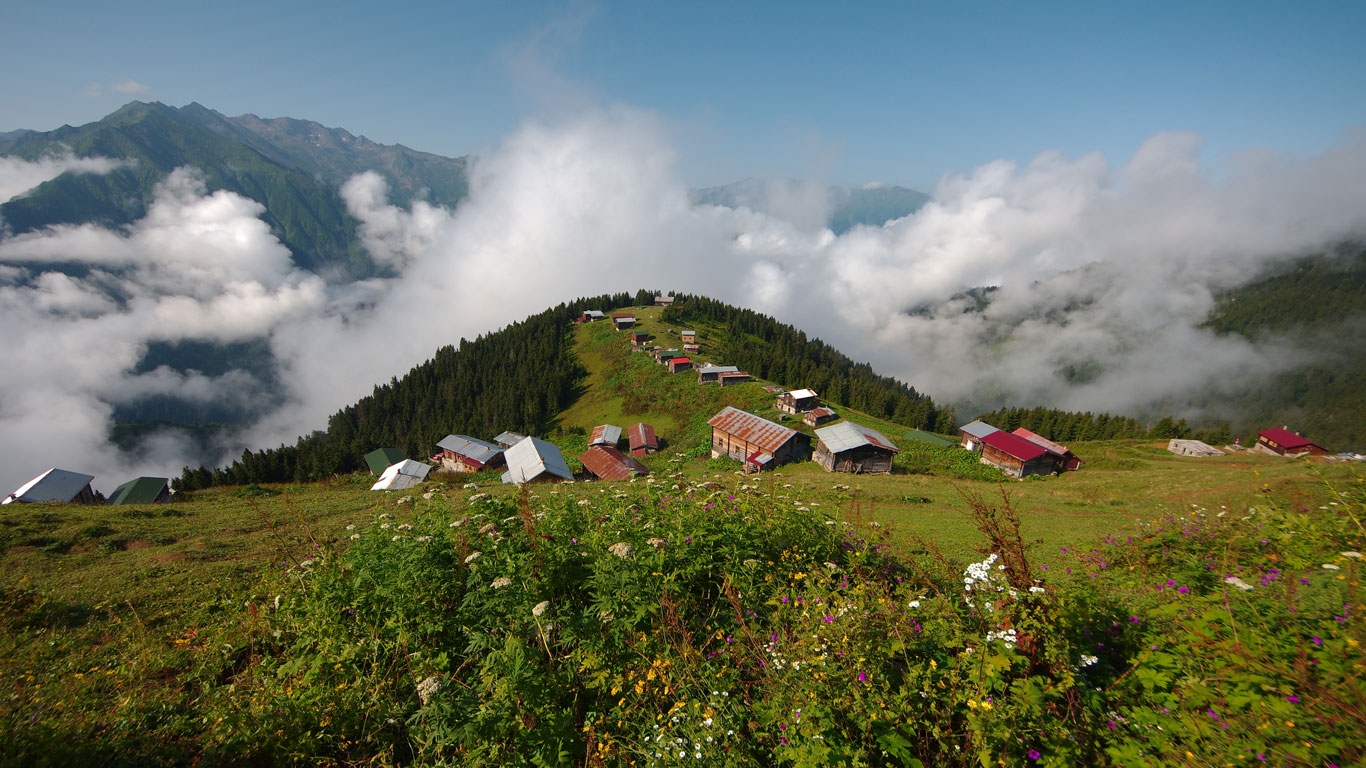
{"points": [[1283, 442], [759, 443], [1065, 458], [680, 364], [605, 462], [1016, 455], [643, 440]]}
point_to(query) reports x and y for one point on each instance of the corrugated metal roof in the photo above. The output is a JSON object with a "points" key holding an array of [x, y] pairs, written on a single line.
{"points": [[718, 369], [1014, 445], [821, 412], [642, 435], [404, 474], [752, 429], [1037, 439], [470, 448], [509, 438], [381, 459], [606, 434], [977, 429], [143, 490], [608, 463], [593, 313], [533, 457], [802, 394], [54, 485], [847, 435], [1285, 438]]}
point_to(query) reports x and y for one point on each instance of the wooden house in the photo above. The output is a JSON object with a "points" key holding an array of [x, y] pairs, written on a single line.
{"points": [[642, 439], [143, 490], [662, 300], [973, 432], [55, 486], [591, 315], [758, 442], [533, 460], [688, 337], [1016, 456], [509, 439], [460, 453], [818, 416], [663, 356], [605, 434], [623, 321], [679, 364], [605, 462], [639, 338], [850, 447], [798, 401], [731, 378], [692, 349], [1283, 442], [1066, 460], [405, 474], [709, 373]]}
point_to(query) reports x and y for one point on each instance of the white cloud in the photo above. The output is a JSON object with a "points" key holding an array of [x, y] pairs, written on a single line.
{"points": [[18, 176]]}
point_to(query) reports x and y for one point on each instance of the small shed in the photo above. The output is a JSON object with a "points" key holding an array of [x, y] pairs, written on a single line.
{"points": [[798, 401], [591, 315], [55, 486], [534, 460], [756, 441], [1196, 448], [818, 416], [461, 453], [973, 432], [692, 349], [639, 338], [688, 337], [710, 373], [605, 462], [732, 378], [643, 440], [663, 300], [405, 474], [143, 490], [854, 448], [663, 356], [1283, 442], [1065, 458], [381, 459], [623, 321], [1016, 456], [509, 439], [605, 434], [678, 364]]}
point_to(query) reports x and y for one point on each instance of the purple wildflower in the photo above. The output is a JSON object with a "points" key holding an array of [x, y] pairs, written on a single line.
{"points": [[1034, 755], [1318, 641], [863, 677], [1183, 590], [1293, 699]]}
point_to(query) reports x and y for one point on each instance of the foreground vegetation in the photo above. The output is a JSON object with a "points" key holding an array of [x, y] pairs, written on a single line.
{"points": [[800, 618]]}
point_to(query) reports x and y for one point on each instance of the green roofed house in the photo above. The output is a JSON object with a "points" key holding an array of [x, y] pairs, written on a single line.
{"points": [[381, 459], [921, 436], [143, 490]]}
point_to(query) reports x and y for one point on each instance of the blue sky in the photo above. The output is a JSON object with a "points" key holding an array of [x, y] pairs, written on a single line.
{"points": [[897, 92]]}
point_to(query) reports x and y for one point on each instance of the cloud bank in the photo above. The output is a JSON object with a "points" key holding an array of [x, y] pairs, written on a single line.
{"points": [[18, 176], [1104, 273]]}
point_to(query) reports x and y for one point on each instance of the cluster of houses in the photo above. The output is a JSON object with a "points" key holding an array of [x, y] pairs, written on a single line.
{"points": [[1020, 453], [61, 486], [760, 444], [1272, 442]]}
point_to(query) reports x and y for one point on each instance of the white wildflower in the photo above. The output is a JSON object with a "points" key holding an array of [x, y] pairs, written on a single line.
{"points": [[501, 581], [539, 610], [351, 527], [621, 549], [1237, 582], [472, 557], [656, 542], [424, 539], [1353, 555], [460, 522], [913, 604], [1086, 661], [427, 689], [1330, 567], [355, 536]]}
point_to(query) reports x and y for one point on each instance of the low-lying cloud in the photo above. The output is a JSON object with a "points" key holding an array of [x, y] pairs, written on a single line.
{"points": [[18, 176], [1105, 273]]}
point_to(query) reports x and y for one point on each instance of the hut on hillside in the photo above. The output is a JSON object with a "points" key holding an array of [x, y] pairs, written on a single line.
{"points": [[534, 460], [1016, 456], [401, 476], [509, 439], [758, 442], [1192, 448], [1066, 460], [623, 321], [55, 486], [973, 432], [143, 490], [854, 448], [643, 440], [680, 364], [1283, 442], [798, 401], [605, 434], [605, 462], [818, 416], [590, 315], [710, 373], [461, 453], [731, 378]]}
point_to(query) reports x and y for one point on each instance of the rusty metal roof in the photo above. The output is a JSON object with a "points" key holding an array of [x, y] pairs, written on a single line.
{"points": [[1037, 439], [642, 435], [605, 434], [847, 435], [752, 429], [608, 463]]}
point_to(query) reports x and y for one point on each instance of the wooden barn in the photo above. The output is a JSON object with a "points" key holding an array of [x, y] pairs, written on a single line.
{"points": [[853, 448], [798, 401], [533, 460], [1197, 448], [55, 486], [460, 453], [639, 338], [679, 364], [1017, 456], [643, 440], [1283, 442], [758, 442], [591, 315], [973, 432], [605, 434], [1065, 458], [509, 438], [818, 416], [688, 337], [623, 321], [605, 462], [731, 378], [709, 373], [663, 300]]}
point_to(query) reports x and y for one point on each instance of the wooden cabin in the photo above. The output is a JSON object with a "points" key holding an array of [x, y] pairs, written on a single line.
{"points": [[623, 321], [639, 338], [460, 453], [818, 416], [798, 401], [642, 439], [679, 364], [1283, 442], [853, 448], [1066, 460], [1196, 448], [605, 434], [55, 486], [757, 442], [605, 462], [973, 432], [709, 373], [731, 378], [1016, 456], [688, 337], [533, 460]]}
